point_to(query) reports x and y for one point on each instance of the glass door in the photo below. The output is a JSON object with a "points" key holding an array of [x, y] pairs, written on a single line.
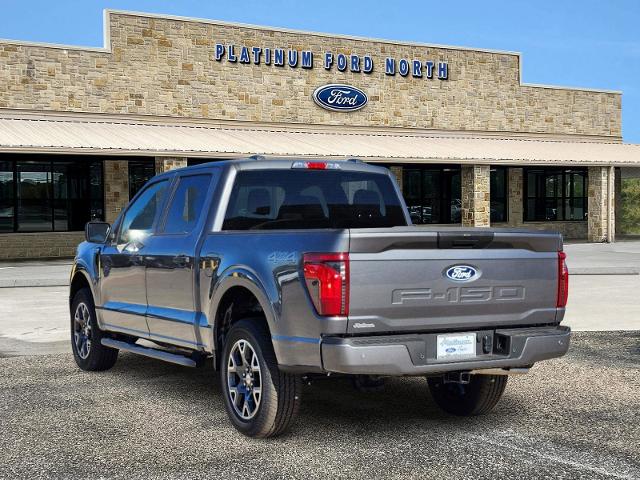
{"points": [[34, 197]]}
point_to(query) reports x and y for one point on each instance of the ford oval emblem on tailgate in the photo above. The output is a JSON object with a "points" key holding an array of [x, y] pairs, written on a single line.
{"points": [[340, 98], [461, 273]]}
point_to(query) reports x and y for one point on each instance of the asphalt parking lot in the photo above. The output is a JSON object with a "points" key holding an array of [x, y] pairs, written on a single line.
{"points": [[575, 417]]}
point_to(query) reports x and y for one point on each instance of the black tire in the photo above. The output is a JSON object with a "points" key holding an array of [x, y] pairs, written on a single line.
{"points": [[477, 397], [280, 392], [97, 357]]}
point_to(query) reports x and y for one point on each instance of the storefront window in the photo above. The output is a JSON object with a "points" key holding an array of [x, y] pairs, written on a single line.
{"points": [[35, 211], [555, 194], [432, 194], [7, 189], [43, 194], [498, 188], [140, 171]]}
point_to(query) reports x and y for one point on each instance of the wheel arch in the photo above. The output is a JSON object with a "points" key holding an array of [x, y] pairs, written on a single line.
{"points": [[79, 280], [238, 295]]}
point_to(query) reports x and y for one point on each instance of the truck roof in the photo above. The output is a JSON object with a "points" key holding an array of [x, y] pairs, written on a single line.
{"points": [[260, 163]]}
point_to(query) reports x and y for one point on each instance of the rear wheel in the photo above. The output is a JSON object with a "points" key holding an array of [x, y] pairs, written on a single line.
{"points": [[261, 401], [88, 352], [477, 397]]}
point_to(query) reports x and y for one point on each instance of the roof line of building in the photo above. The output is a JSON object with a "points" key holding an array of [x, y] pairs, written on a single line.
{"points": [[204, 123], [119, 152], [106, 48]]}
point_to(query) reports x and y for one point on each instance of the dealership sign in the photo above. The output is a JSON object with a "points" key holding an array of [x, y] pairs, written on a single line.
{"points": [[340, 98], [280, 57]]}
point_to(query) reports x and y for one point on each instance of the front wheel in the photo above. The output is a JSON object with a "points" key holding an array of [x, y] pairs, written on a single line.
{"points": [[88, 352], [477, 397], [260, 400]]}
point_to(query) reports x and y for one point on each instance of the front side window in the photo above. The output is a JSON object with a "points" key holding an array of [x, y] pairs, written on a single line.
{"points": [[187, 204], [310, 199], [555, 194], [138, 221]]}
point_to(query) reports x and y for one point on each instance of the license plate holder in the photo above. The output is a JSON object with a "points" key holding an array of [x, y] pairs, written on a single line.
{"points": [[456, 346]]}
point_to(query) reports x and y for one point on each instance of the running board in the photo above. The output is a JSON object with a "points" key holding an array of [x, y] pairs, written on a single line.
{"points": [[149, 352]]}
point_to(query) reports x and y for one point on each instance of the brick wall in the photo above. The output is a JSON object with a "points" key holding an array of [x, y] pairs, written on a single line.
{"points": [[39, 245]]}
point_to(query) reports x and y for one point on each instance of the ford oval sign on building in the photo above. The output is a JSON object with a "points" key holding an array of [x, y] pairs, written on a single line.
{"points": [[340, 98]]}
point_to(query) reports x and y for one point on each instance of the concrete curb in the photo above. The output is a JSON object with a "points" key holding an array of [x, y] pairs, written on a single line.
{"points": [[45, 282], [604, 271]]}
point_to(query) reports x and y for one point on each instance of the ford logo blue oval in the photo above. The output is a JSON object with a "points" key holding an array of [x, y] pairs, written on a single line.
{"points": [[450, 349], [461, 273], [340, 98]]}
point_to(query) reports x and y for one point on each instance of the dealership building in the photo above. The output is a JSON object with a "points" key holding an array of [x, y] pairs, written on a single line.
{"points": [[82, 129]]}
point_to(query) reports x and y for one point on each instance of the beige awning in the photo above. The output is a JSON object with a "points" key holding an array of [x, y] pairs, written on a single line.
{"points": [[101, 135]]}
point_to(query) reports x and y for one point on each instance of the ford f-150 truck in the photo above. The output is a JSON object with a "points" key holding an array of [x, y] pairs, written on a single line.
{"points": [[280, 270]]}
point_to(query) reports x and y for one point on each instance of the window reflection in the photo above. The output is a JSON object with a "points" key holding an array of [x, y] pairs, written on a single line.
{"points": [[40, 193], [555, 194], [432, 194]]}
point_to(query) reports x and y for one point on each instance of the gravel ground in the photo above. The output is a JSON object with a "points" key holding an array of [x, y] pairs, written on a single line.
{"points": [[576, 417]]}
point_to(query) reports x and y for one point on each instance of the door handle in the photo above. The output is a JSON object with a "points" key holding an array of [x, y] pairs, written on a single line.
{"points": [[181, 260], [209, 265]]}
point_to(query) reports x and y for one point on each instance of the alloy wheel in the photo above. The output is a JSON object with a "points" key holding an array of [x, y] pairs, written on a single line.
{"points": [[244, 380], [82, 330]]}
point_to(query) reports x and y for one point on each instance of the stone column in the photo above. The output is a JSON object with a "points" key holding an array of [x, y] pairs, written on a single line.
{"points": [[475, 195], [397, 172], [515, 200], [601, 213], [164, 164], [618, 201], [116, 188]]}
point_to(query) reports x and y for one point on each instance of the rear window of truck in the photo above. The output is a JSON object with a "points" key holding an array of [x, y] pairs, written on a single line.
{"points": [[308, 199]]}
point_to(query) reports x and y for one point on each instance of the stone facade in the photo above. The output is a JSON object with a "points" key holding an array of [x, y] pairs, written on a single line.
{"points": [[162, 66], [599, 213], [475, 195], [167, 67], [397, 172], [164, 164], [116, 188], [570, 230]]}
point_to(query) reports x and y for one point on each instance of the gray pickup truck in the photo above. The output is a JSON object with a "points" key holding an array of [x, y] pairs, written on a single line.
{"points": [[281, 270]]}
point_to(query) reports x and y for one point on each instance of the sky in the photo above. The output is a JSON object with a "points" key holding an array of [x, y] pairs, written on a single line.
{"points": [[584, 43]]}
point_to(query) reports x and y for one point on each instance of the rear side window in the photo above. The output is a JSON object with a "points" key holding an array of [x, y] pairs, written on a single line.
{"points": [[187, 204], [307, 199]]}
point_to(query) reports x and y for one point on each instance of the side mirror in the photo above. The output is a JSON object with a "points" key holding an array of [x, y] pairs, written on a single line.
{"points": [[97, 232]]}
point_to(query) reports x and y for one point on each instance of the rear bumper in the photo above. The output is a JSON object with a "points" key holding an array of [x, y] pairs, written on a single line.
{"points": [[416, 354]]}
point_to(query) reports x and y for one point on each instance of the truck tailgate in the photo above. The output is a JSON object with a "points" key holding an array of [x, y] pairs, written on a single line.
{"points": [[420, 279]]}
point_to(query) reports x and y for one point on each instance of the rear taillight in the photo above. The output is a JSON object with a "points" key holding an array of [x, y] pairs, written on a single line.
{"points": [[563, 280], [327, 279]]}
